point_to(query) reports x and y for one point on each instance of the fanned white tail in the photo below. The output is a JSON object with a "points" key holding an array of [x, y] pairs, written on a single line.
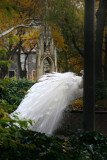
{"points": [[46, 100]]}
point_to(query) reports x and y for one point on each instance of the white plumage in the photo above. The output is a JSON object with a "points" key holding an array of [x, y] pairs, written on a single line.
{"points": [[46, 100]]}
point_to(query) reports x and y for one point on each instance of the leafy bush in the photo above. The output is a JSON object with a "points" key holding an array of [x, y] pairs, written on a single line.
{"points": [[19, 143], [16, 141], [87, 146], [12, 91]]}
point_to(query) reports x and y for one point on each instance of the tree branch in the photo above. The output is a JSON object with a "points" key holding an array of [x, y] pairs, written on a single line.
{"points": [[35, 20], [73, 39], [32, 23]]}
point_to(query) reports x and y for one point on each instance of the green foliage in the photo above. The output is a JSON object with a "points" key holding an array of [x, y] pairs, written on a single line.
{"points": [[6, 107], [87, 146], [19, 143], [12, 91], [3, 52], [70, 19], [11, 136], [60, 10], [101, 90], [4, 62]]}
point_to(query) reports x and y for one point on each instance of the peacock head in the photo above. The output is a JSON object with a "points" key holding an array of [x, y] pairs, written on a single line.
{"points": [[82, 72]]}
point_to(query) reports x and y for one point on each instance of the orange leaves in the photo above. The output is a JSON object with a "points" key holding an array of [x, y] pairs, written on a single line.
{"points": [[77, 62], [78, 103]]}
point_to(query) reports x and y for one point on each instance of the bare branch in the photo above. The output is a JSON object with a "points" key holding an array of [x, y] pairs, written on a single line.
{"points": [[36, 20], [32, 23]]}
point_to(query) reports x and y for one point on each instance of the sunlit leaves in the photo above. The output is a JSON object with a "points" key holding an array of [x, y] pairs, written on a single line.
{"points": [[77, 62], [30, 39], [78, 103], [13, 40], [31, 35]]}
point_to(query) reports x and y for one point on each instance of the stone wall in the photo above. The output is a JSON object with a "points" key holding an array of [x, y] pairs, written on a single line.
{"points": [[31, 70], [14, 66], [74, 120], [30, 66]]}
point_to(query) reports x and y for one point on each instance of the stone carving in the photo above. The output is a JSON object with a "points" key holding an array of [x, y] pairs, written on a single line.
{"points": [[46, 61]]}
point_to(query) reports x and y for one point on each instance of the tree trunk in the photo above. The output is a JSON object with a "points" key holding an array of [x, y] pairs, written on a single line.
{"points": [[101, 15], [89, 67], [105, 64], [20, 74], [25, 72]]}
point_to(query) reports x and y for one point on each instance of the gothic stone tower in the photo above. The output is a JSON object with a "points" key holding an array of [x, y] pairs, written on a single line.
{"points": [[46, 57]]}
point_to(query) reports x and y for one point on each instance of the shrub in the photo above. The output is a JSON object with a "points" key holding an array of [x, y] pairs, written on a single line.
{"points": [[12, 91], [87, 146], [19, 143]]}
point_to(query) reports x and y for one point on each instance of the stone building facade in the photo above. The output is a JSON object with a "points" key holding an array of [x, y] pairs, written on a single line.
{"points": [[42, 60], [46, 57]]}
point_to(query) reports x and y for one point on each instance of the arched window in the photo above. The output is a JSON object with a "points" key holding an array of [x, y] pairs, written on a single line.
{"points": [[46, 66]]}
